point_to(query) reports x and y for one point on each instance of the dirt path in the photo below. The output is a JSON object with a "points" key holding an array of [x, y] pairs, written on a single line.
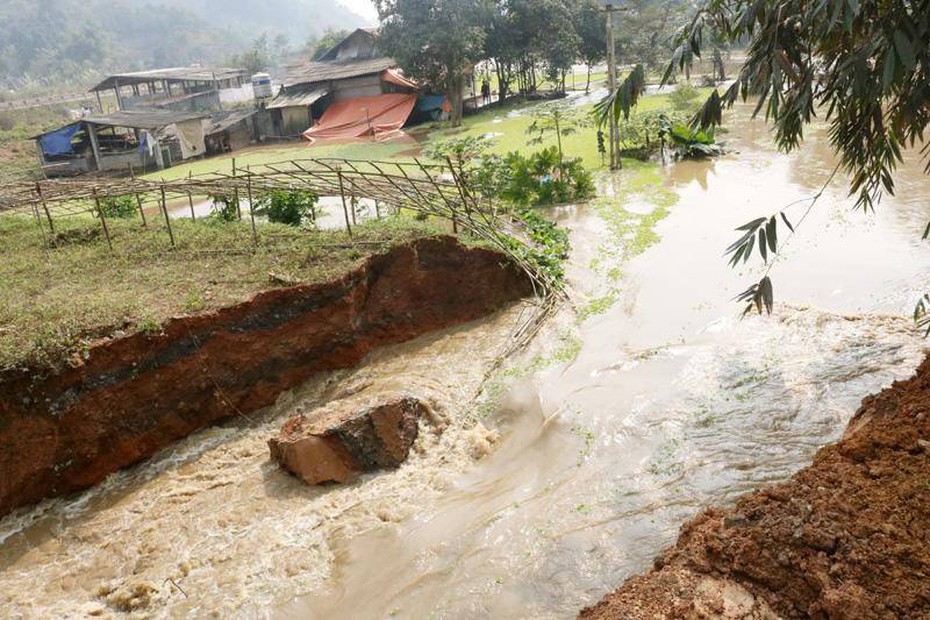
{"points": [[847, 537]]}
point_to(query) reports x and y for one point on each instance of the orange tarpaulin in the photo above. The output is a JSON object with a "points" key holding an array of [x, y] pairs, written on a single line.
{"points": [[363, 116]]}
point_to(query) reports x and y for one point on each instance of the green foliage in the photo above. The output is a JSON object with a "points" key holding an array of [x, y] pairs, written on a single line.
{"points": [[462, 151], [865, 63], [620, 102], [687, 142], [684, 97], [119, 206], [550, 245], [436, 42], [555, 119], [224, 208], [291, 207], [541, 179]]}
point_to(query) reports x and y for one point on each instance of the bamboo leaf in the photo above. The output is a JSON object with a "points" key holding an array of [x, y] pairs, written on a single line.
{"points": [[752, 225], [768, 294], [787, 223], [772, 234], [762, 249]]}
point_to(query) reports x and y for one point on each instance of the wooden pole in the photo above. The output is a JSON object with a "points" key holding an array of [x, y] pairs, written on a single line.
{"points": [[48, 214], [236, 192], [190, 197], [132, 175], [252, 207], [377, 209], [345, 208], [164, 209], [103, 219], [615, 161], [45, 240]]}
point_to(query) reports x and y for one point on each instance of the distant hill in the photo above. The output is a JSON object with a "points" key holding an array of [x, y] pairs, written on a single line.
{"points": [[58, 42], [298, 19]]}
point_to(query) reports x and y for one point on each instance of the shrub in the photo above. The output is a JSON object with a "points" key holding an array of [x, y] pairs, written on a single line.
{"points": [[118, 206], [289, 207], [540, 180], [224, 208], [684, 97]]}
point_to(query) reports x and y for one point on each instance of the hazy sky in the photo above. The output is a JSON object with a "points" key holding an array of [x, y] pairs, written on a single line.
{"points": [[365, 8]]}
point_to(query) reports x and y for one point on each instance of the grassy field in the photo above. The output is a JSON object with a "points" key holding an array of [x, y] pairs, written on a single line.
{"points": [[507, 126], [54, 303]]}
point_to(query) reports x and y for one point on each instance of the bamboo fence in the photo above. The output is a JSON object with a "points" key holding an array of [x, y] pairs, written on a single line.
{"points": [[430, 190]]}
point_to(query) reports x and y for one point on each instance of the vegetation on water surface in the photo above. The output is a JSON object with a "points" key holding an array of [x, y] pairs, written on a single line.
{"points": [[55, 301]]}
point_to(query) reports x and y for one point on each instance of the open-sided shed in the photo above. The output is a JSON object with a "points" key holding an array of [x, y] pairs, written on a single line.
{"points": [[179, 88], [143, 140]]}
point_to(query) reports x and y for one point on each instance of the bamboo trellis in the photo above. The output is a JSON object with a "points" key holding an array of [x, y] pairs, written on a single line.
{"points": [[428, 189]]}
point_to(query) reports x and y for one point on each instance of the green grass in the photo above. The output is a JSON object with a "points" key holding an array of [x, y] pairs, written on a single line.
{"points": [[508, 127], [512, 130], [54, 303], [258, 155]]}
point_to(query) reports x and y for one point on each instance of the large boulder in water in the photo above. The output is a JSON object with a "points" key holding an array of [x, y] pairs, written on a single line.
{"points": [[342, 439]]}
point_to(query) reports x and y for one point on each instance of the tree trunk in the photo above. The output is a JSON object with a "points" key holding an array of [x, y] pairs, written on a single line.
{"points": [[456, 97], [587, 87]]}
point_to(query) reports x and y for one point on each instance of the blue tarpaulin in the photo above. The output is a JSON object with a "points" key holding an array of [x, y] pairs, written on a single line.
{"points": [[58, 142], [428, 103]]}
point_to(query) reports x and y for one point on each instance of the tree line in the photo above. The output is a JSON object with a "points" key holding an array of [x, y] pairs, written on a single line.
{"points": [[439, 42]]}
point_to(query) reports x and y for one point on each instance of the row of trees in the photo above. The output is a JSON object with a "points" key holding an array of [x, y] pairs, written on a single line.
{"points": [[439, 42]]}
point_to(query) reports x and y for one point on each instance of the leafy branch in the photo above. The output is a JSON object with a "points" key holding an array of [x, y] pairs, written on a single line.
{"points": [[764, 230]]}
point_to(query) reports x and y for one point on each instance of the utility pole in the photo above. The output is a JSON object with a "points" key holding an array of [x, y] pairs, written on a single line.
{"points": [[615, 163]]}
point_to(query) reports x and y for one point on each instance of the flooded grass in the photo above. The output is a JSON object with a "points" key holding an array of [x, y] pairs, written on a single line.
{"points": [[54, 301]]}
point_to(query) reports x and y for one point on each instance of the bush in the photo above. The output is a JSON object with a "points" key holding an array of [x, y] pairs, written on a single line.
{"points": [[540, 180], [120, 206], [684, 97], [224, 208], [289, 207]]}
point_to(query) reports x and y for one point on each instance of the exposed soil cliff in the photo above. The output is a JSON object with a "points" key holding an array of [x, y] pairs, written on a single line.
{"points": [[133, 395], [847, 537]]}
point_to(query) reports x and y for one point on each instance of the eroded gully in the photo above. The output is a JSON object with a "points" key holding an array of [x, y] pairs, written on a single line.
{"points": [[615, 427]]}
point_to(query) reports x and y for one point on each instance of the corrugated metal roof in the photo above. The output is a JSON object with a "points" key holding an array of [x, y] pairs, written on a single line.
{"points": [[314, 72], [299, 98], [224, 120], [143, 119], [333, 53], [176, 74]]}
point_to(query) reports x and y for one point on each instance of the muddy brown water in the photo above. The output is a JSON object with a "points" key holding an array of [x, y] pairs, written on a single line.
{"points": [[670, 404]]}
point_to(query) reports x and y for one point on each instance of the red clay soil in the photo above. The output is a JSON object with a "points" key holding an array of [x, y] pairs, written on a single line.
{"points": [[846, 538], [132, 396]]}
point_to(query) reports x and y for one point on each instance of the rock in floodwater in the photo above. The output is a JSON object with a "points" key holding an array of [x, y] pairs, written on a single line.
{"points": [[342, 439]]}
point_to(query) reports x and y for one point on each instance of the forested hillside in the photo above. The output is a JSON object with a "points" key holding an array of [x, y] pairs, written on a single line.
{"points": [[59, 42]]}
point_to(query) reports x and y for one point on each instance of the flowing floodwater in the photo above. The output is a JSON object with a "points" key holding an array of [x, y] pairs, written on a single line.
{"points": [[627, 416]]}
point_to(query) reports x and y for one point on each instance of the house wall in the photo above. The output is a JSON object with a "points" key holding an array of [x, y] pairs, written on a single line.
{"points": [[296, 120], [364, 86], [122, 161]]}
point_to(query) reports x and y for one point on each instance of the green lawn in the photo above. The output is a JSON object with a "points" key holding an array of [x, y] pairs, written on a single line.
{"points": [[508, 126], [54, 302]]}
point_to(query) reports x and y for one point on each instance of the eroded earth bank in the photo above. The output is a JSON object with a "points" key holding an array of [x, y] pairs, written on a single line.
{"points": [[846, 537], [129, 397]]}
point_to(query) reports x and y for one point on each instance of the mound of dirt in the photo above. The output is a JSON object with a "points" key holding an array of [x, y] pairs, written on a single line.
{"points": [[847, 537]]}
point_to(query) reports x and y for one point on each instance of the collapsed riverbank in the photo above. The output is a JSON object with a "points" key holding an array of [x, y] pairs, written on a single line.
{"points": [[131, 396], [843, 538]]}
